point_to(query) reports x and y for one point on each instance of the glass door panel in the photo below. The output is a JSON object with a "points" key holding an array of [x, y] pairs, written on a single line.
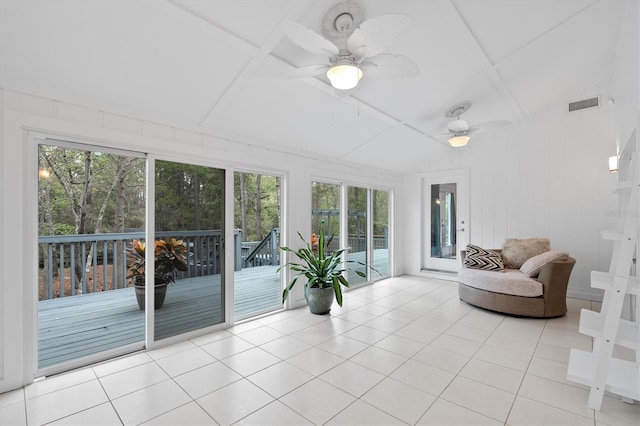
{"points": [[357, 233], [446, 213], [91, 206], [380, 233], [325, 211], [443, 220], [257, 285], [189, 221]]}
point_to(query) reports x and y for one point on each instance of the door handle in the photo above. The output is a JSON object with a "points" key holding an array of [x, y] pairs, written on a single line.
{"points": [[461, 230]]}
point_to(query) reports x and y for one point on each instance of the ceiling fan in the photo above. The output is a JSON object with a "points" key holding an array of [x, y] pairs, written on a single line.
{"points": [[459, 130], [353, 45]]}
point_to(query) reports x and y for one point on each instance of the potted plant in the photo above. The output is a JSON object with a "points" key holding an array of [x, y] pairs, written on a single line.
{"points": [[323, 270], [170, 256]]}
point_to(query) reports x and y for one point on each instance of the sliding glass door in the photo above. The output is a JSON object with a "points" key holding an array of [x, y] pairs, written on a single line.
{"points": [[325, 211], [358, 231], [189, 220], [366, 222], [257, 284], [91, 206], [380, 233], [93, 252]]}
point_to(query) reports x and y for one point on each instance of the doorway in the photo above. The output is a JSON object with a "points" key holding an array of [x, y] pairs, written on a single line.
{"points": [[445, 219], [189, 211], [257, 211], [93, 214], [91, 204]]}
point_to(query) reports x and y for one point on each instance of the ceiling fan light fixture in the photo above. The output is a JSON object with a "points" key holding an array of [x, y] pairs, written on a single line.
{"points": [[457, 141], [344, 75]]}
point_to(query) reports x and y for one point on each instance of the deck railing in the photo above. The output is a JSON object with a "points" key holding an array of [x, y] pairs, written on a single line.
{"points": [[88, 263], [265, 252]]}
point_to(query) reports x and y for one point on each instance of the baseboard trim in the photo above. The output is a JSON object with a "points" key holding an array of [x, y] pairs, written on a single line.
{"points": [[439, 274]]}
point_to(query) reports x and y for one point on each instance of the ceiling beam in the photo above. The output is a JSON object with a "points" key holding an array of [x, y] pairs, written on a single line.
{"points": [[547, 31], [260, 54], [488, 67]]}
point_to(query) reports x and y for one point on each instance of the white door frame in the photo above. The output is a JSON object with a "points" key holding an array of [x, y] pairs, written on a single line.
{"points": [[461, 178]]}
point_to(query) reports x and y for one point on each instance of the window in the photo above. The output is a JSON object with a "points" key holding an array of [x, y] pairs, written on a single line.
{"points": [[367, 225]]}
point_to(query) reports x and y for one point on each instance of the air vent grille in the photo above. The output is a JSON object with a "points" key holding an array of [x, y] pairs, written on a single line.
{"points": [[586, 103]]}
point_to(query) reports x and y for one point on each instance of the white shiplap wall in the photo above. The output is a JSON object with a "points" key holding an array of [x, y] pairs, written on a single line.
{"points": [[545, 176]]}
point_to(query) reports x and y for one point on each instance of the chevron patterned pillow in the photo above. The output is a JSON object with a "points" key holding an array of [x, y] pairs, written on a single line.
{"points": [[479, 258]]}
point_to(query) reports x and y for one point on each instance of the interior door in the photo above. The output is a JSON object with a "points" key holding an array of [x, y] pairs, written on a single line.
{"points": [[445, 219]]}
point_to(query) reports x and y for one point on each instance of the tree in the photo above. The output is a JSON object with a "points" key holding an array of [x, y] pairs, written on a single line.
{"points": [[87, 192], [260, 195], [258, 208]]}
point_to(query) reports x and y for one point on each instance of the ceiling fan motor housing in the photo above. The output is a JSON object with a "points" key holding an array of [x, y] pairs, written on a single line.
{"points": [[458, 126], [341, 20]]}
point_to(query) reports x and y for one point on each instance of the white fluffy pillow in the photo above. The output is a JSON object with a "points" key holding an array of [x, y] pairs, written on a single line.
{"points": [[516, 251], [531, 267]]}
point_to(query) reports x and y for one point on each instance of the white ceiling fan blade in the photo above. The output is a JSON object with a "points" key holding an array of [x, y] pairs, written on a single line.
{"points": [[309, 71], [376, 34], [309, 39], [397, 66], [488, 125]]}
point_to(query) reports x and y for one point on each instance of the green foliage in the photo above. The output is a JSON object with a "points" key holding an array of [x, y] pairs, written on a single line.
{"points": [[74, 172], [357, 204], [188, 196], [320, 267], [264, 199], [63, 229], [325, 203], [380, 212]]}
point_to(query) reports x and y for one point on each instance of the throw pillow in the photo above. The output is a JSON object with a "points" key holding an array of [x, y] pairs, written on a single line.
{"points": [[517, 251], [479, 258], [531, 267]]}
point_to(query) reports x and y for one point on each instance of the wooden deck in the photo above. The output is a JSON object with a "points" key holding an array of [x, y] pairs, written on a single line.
{"points": [[76, 326]]}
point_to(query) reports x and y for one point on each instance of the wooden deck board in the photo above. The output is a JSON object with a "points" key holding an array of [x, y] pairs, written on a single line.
{"points": [[76, 326]]}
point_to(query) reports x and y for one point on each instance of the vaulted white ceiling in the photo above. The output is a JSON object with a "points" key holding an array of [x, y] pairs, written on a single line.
{"points": [[216, 66]]}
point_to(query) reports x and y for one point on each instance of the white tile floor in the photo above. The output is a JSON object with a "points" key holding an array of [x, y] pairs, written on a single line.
{"points": [[402, 351]]}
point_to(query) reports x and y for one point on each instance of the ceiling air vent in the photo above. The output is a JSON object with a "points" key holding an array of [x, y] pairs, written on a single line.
{"points": [[586, 103]]}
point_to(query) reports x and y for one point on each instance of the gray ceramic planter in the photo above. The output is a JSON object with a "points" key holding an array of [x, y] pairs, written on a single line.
{"points": [[319, 299]]}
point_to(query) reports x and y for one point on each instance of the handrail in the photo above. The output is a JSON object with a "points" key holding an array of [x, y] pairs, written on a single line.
{"points": [[89, 263], [266, 252], [65, 269]]}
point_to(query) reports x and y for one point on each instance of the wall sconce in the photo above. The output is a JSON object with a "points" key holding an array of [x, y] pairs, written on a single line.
{"points": [[613, 164]]}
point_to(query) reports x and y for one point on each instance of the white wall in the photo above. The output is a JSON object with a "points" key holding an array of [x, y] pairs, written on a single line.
{"points": [[21, 113], [626, 76], [545, 176]]}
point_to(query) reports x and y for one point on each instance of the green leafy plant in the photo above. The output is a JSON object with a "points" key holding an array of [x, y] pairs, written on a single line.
{"points": [[169, 254], [321, 267]]}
